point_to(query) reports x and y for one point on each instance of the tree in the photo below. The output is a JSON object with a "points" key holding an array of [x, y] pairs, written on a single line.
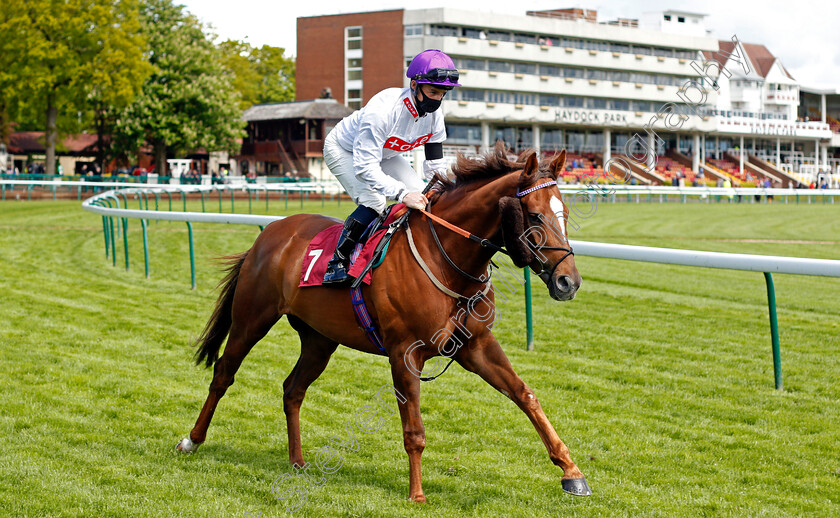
{"points": [[66, 53], [187, 102], [260, 74]]}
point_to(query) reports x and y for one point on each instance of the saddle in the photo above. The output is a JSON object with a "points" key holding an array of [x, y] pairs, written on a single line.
{"points": [[368, 254]]}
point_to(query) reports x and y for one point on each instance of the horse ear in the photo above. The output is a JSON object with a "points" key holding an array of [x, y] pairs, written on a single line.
{"points": [[513, 226], [557, 163], [530, 172]]}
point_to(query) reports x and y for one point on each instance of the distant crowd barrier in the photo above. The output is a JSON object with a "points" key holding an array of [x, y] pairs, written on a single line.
{"points": [[610, 193]]}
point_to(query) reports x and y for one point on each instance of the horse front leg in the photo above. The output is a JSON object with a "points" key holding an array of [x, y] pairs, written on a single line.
{"points": [[485, 357], [414, 434]]}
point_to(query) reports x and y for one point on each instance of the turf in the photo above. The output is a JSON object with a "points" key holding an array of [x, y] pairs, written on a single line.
{"points": [[658, 378]]}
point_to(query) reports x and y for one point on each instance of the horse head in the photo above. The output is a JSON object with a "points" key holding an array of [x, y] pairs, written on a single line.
{"points": [[534, 227]]}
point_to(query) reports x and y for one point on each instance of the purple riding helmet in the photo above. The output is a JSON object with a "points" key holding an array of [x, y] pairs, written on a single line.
{"points": [[432, 67]]}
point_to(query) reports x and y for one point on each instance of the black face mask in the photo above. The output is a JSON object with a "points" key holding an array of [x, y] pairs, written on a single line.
{"points": [[427, 105]]}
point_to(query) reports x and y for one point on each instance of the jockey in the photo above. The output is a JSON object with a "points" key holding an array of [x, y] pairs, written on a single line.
{"points": [[363, 150]]}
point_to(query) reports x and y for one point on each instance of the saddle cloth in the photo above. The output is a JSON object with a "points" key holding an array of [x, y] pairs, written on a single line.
{"points": [[321, 248]]}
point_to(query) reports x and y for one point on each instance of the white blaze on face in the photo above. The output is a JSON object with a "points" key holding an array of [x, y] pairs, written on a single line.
{"points": [[558, 209]]}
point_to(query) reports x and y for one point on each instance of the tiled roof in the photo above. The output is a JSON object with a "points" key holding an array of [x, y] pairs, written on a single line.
{"points": [[24, 142], [315, 109], [761, 60]]}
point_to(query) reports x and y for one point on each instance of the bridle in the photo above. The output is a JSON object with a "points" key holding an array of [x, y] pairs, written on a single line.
{"points": [[544, 272], [537, 217]]}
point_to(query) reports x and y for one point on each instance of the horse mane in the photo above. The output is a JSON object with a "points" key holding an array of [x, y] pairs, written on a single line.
{"points": [[492, 164]]}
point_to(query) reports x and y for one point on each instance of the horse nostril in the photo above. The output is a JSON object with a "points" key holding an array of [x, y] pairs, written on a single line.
{"points": [[564, 283]]}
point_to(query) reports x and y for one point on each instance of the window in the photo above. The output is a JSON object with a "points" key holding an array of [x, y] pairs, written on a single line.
{"points": [[463, 94], [444, 30], [571, 43], [549, 100], [620, 47], [573, 102], [471, 64], [500, 36], [353, 38], [572, 72], [620, 104], [498, 97], [463, 134], [551, 138], [499, 66], [525, 38], [551, 70], [681, 19], [473, 33], [665, 53], [525, 68], [354, 69], [598, 75], [642, 106], [597, 104], [645, 51], [354, 99], [413, 30], [623, 77], [667, 17], [521, 98]]}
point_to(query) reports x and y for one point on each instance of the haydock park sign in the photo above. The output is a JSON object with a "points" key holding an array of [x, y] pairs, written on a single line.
{"points": [[590, 116]]}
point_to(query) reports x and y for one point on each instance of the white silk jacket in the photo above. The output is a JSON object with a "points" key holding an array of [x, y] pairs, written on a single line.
{"points": [[385, 127]]}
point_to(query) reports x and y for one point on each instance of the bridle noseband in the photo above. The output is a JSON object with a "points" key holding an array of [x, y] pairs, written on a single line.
{"points": [[539, 217]]}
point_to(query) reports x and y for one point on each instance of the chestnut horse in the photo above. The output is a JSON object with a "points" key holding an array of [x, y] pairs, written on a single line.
{"points": [[493, 198]]}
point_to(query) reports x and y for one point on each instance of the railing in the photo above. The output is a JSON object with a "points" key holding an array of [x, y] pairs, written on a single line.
{"points": [[108, 206]]}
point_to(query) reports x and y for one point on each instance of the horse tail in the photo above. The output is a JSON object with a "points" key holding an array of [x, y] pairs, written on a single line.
{"points": [[217, 328]]}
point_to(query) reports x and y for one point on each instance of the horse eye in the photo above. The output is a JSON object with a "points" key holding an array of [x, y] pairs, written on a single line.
{"points": [[535, 217]]}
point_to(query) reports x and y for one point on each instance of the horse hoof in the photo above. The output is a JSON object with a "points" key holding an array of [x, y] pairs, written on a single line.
{"points": [[186, 446], [576, 486]]}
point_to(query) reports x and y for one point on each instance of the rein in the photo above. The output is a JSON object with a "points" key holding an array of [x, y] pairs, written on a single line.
{"points": [[486, 243]]}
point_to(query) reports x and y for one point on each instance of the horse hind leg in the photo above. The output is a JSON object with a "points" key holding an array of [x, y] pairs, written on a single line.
{"points": [[242, 338], [315, 353]]}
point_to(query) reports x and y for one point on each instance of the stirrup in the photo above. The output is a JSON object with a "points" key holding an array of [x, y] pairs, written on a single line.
{"points": [[336, 273]]}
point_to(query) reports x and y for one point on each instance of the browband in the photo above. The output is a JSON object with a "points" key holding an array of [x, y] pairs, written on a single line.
{"points": [[535, 188]]}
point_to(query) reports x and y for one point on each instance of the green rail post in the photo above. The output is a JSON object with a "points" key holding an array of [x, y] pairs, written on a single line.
{"points": [[125, 240], [105, 231], [232, 207], [111, 230], [192, 254], [529, 314], [774, 330], [184, 199], [145, 245]]}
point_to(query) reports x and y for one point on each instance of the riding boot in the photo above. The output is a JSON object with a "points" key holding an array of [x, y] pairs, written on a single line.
{"points": [[339, 264]]}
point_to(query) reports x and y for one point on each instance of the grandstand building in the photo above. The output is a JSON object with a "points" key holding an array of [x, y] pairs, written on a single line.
{"points": [[565, 79]]}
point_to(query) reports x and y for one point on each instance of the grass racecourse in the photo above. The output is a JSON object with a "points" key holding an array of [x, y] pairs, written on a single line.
{"points": [[658, 378]]}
